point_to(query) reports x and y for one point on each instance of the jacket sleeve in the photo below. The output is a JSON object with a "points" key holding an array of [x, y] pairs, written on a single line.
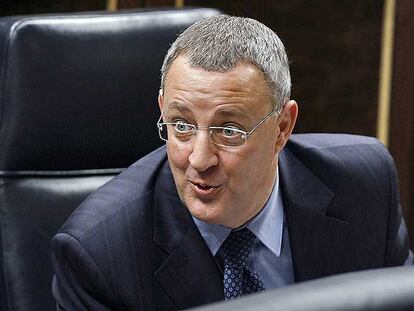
{"points": [[78, 283], [397, 248]]}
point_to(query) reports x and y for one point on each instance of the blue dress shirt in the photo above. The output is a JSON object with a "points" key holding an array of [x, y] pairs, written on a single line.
{"points": [[271, 256]]}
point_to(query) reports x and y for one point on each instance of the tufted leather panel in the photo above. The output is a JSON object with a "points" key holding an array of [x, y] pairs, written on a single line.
{"points": [[78, 101], [70, 87], [32, 211]]}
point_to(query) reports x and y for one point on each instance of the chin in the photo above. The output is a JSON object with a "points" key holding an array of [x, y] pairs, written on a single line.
{"points": [[204, 212]]}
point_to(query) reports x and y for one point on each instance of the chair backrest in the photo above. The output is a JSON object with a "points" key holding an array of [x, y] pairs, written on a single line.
{"points": [[78, 102], [380, 290]]}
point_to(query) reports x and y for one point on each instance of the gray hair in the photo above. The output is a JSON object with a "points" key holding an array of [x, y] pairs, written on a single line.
{"points": [[218, 43]]}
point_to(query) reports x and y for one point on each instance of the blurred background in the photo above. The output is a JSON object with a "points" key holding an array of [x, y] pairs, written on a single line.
{"points": [[351, 63]]}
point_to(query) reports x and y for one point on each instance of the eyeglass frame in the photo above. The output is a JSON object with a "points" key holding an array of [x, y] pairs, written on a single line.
{"points": [[245, 134]]}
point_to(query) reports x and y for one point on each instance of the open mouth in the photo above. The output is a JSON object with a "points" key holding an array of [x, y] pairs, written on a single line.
{"points": [[202, 188]]}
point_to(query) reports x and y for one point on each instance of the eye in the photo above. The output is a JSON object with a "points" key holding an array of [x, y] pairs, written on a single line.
{"points": [[230, 131], [182, 127]]}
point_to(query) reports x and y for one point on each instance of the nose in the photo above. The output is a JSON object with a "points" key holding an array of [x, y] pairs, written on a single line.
{"points": [[203, 155]]}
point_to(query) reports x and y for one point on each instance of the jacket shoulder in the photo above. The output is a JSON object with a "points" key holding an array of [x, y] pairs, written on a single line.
{"points": [[326, 141], [343, 148], [341, 157], [130, 191]]}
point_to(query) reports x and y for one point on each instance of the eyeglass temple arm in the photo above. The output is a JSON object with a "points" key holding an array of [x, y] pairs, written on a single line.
{"points": [[277, 109]]}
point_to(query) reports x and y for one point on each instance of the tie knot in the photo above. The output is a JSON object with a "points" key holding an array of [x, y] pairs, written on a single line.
{"points": [[237, 246]]}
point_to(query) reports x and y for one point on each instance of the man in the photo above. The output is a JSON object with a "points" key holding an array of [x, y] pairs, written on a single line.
{"points": [[233, 204]]}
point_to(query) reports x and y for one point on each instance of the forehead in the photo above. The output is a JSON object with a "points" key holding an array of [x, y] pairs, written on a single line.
{"points": [[188, 87], [241, 73]]}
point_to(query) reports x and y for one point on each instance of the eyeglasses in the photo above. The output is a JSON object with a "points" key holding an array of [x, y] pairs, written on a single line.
{"points": [[228, 136]]}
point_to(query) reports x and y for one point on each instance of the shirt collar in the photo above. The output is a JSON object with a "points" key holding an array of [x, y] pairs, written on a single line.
{"points": [[267, 226]]}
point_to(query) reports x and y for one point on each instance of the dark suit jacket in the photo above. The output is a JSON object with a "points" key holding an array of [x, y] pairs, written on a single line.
{"points": [[132, 245]]}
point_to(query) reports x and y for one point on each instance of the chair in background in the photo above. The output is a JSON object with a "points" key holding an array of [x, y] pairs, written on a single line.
{"points": [[383, 289], [78, 102]]}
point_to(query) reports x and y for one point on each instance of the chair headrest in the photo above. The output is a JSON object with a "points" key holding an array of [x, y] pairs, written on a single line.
{"points": [[79, 91]]}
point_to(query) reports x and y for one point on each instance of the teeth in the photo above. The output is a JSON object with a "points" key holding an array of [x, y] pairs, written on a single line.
{"points": [[204, 186]]}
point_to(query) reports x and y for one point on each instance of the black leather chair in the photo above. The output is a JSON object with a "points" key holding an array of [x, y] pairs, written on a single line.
{"points": [[78, 102], [387, 289]]}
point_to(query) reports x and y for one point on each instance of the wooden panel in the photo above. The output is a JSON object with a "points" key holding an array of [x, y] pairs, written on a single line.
{"points": [[154, 3], [402, 110], [126, 4]]}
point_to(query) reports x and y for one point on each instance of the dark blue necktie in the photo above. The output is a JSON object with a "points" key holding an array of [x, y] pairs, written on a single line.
{"points": [[239, 278]]}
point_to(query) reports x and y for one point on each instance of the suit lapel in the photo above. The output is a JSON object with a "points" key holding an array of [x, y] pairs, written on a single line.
{"points": [[189, 274], [317, 240]]}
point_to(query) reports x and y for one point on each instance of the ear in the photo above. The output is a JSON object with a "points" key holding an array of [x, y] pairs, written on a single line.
{"points": [[160, 100], [287, 123]]}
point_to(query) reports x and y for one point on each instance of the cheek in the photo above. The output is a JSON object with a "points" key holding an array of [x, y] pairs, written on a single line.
{"points": [[178, 157], [238, 168], [256, 166]]}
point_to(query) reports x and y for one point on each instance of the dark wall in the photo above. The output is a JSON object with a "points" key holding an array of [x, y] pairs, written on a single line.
{"points": [[23, 7], [402, 110]]}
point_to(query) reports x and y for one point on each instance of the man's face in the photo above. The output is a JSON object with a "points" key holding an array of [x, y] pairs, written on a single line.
{"points": [[220, 185]]}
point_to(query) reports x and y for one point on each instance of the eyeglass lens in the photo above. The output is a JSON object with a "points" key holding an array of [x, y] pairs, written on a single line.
{"points": [[184, 133]]}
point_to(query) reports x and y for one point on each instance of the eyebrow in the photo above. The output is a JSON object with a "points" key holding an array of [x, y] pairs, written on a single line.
{"points": [[227, 112], [177, 106], [233, 112]]}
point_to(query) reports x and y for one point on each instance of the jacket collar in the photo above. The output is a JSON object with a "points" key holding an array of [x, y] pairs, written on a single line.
{"points": [[317, 240], [190, 274]]}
